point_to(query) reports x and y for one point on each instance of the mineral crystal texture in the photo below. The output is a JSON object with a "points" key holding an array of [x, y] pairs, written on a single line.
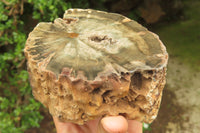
{"points": [[93, 63]]}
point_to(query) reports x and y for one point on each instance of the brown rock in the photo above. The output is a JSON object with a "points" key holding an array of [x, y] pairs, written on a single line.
{"points": [[152, 12], [92, 63]]}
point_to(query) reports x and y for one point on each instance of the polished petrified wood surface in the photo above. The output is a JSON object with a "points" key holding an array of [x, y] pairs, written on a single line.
{"points": [[92, 63]]}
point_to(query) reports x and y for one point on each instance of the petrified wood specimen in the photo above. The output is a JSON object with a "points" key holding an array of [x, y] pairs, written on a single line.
{"points": [[92, 63]]}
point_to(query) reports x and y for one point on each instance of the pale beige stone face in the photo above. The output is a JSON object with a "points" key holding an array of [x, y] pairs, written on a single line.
{"points": [[93, 63]]}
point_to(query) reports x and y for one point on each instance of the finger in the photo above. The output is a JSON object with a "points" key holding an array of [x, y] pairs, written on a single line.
{"points": [[134, 126], [65, 127], [113, 124]]}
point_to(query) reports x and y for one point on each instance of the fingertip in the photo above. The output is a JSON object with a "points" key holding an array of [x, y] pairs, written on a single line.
{"points": [[114, 124]]}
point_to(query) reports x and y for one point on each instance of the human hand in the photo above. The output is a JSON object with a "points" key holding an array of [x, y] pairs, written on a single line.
{"points": [[111, 124]]}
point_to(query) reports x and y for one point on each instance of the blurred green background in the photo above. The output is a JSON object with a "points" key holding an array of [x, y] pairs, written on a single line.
{"points": [[177, 22]]}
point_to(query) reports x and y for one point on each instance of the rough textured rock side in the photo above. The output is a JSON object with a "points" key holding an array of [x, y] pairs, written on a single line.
{"points": [[92, 63]]}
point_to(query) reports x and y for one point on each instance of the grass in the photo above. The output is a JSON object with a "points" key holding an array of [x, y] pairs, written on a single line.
{"points": [[182, 38]]}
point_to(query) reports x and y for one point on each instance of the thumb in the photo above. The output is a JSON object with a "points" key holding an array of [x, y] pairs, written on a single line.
{"points": [[113, 124]]}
